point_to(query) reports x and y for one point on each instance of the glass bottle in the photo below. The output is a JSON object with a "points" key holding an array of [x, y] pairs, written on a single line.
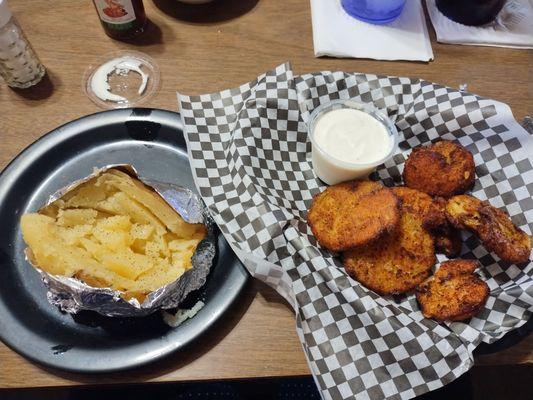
{"points": [[19, 65], [121, 19]]}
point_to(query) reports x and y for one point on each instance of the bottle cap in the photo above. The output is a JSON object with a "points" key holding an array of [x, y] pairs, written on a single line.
{"points": [[5, 13]]}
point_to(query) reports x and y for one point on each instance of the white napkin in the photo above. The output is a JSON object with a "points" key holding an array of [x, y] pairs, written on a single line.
{"points": [[337, 34], [513, 27]]}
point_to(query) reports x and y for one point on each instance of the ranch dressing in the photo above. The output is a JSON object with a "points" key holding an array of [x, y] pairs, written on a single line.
{"points": [[349, 140], [352, 136], [122, 65]]}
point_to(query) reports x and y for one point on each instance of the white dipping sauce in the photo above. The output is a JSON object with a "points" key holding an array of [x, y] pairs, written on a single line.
{"points": [[121, 65], [350, 136]]}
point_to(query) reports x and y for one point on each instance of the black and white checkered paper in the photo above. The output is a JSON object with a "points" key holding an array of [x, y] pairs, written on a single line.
{"points": [[250, 157]]}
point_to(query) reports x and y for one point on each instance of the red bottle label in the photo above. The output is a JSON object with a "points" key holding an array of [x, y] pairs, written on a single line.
{"points": [[116, 12]]}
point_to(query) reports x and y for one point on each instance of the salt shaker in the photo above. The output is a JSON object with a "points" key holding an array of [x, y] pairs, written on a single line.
{"points": [[19, 65]]}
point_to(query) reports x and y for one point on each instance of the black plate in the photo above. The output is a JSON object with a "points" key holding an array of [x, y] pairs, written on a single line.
{"points": [[152, 141]]}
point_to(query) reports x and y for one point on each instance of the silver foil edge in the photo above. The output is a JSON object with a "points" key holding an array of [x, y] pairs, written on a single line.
{"points": [[72, 295]]}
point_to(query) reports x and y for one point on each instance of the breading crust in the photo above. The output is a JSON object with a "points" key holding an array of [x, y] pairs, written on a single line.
{"points": [[433, 212], [352, 214], [492, 225], [447, 238], [401, 260], [442, 169], [448, 242], [453, 293]]}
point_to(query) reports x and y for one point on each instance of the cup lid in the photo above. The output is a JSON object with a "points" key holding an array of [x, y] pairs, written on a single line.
{"points": [[121, 79]]}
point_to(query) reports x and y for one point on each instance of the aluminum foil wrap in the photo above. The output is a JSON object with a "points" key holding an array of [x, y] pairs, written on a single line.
{"points": [[72, 295]]}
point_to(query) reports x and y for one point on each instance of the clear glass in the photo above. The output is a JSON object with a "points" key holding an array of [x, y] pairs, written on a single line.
{"points": [[374, 11], [19, 65]]}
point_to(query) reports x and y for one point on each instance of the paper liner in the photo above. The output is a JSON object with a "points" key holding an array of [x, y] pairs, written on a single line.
{"points": [[250, 156]]}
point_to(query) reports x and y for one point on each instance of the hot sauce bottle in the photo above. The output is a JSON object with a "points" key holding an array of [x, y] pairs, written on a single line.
{"points": [[121, 19]]}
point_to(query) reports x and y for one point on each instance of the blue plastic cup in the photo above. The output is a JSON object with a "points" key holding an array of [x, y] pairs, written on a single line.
{"points": [[374, 11]]}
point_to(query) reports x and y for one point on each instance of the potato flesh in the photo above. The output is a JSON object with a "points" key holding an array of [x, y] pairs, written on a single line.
{"points": [[112, 231]]}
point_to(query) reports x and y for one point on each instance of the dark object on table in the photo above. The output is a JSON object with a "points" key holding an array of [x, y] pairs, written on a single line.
{"points": [[471, 12], [286, 388]]}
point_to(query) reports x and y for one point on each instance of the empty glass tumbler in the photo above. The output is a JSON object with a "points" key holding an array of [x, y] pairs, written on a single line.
{"points": [[374, 11]]}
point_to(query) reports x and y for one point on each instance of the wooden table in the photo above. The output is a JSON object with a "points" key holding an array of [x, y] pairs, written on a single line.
{"points": [[201, 50]]}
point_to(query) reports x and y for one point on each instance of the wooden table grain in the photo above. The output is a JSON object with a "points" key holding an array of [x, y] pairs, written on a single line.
{"points": [[205, 49]]}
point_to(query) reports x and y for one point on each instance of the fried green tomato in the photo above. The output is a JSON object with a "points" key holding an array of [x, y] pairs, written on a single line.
{"points": [[442, 169], [432, 210], [401, 260], [454, 293], [420, 203], [448, 242], [352, 214], [447, 237], [492, 225]]}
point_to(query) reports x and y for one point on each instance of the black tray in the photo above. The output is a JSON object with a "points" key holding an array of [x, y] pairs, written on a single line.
{"points": [[152, 141]]}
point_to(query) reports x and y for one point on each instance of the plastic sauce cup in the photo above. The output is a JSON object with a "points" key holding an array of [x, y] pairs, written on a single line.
{"points": [[332, 170]]}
